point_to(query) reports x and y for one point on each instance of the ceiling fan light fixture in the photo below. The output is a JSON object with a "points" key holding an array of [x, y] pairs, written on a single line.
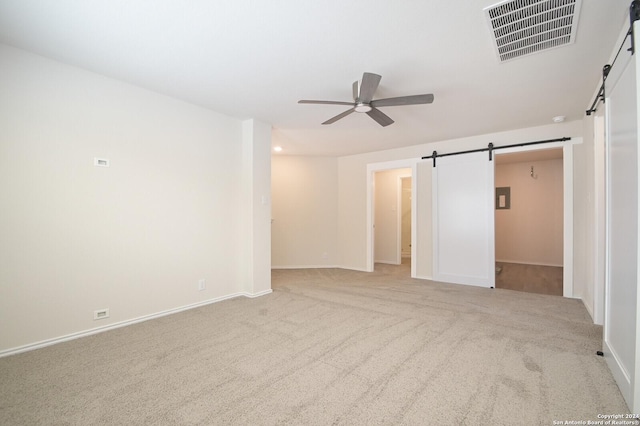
{"points": [[363, 101]]}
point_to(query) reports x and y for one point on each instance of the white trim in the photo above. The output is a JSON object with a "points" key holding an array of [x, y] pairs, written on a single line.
{"points": [[523, 262], [586, 305], [388, 262], [567, 172], [398, 260], [349, 268], [400, 194], [258, 294], [353, 268], [620, 374], [599, 272], [378, 167], [567, 257], [306, 267], [414, 221], [73, 336], [425, 277]]}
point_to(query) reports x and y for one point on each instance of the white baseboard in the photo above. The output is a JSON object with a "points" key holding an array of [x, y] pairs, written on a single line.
{"points": [[350, 268], [618, 371], [425, 277], [73, 336], [387, 262], [522, 262], [305, 267], [258, 294], [353, 268], [589, 309]]}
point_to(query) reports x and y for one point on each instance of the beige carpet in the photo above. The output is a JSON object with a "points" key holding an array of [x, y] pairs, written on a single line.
{"points": [[328, 347]]}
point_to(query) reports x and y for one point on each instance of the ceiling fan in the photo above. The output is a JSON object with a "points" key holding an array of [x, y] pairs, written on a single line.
{"points": [[363, 101]]}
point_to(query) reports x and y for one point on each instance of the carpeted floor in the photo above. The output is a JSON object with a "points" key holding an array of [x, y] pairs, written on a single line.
{"points": [[328, 347], [530, 278]]}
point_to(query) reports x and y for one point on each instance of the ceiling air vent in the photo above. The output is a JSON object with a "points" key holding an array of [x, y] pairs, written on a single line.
{"points": [[523, 27]]}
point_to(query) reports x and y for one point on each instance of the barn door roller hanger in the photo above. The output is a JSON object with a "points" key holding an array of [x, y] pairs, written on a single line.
{"points": [[492, 148]]}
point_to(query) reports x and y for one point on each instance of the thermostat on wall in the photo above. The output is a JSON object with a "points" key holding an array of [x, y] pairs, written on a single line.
{"points": [[101, 162]]}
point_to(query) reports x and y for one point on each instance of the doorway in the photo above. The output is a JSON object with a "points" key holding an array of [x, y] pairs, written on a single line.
{"points": [[392, 220], [529, 212]]}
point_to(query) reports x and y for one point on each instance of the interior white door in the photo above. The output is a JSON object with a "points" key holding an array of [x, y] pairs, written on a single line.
{"points": [[463, 220], [621, 283]]}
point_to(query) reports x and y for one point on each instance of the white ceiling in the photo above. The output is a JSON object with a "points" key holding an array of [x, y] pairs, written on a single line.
{"points": [[256, 59]]}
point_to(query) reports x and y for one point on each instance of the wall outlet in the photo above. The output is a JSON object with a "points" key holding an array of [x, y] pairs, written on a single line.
{"points": [[202, 284], [100, 162], [100, 314]]}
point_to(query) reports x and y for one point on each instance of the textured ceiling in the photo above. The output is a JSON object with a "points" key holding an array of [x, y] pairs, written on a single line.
{"points": [[253, 59]]}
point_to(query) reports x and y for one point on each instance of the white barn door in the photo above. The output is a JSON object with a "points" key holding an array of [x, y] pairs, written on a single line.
{"points": [[463, 220], [621, 322]]}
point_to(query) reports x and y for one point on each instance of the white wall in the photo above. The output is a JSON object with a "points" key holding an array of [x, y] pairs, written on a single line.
{"points": [[305, 211], [386, 216], [585, 217], [255, 210], [135, 237], [530, 232], [422, 248]]}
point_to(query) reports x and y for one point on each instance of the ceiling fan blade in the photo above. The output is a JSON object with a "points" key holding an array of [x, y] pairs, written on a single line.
{"points": [[368, 87], [383, 119], [355, 89], [305, 101], [403, 100], [339, 116]]}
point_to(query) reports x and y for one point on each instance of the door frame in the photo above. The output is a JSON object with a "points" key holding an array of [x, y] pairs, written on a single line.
{"points": [[410, 163], [567, 222], [600, 223], [400, 196]]}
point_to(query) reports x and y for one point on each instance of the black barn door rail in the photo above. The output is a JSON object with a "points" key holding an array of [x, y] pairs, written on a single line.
{"points": [[492, 148], [634, 15]]}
